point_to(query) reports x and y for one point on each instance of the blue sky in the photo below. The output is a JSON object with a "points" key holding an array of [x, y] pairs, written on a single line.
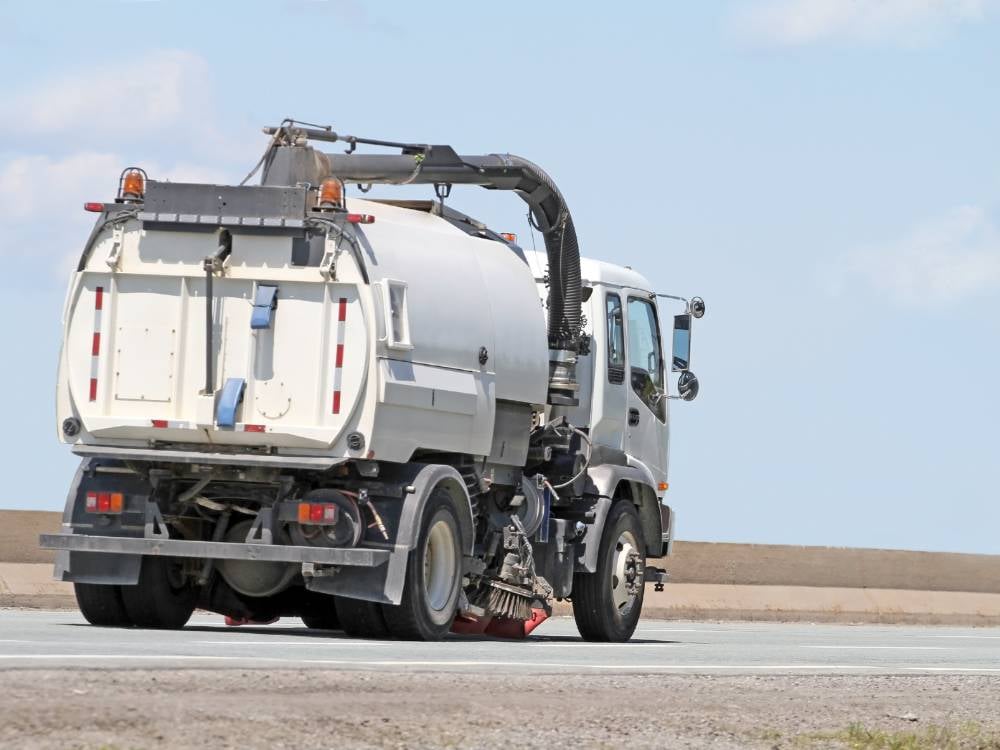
{"points": [[826, 174]]}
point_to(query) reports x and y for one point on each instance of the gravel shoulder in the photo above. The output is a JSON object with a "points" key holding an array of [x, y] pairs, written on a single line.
{"points": [[91, 709]]}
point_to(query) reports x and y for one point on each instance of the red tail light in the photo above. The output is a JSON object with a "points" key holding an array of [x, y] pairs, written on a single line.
{"points": [[360, 219], [93, 207], [105, 502], [318, 514]]}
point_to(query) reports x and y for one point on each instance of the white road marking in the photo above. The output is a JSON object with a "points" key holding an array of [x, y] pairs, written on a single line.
{"points": [[439, 662], [891, 648], [681, 630], [308, 642], [985, 637], [528, 666]]}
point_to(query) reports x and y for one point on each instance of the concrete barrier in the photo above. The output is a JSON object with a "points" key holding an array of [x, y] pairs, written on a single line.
{"points": [[19, 530], [839, 567], [708, 581]]}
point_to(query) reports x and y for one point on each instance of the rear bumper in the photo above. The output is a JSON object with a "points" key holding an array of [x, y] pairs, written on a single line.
{"points": [[352, 557], [197, 457]]}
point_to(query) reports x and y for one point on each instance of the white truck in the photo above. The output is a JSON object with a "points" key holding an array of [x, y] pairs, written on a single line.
{"points": [[377, 415]]}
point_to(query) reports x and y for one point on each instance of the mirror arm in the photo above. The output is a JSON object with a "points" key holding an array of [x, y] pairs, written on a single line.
{"points": [[674, 296], [694, 306]]}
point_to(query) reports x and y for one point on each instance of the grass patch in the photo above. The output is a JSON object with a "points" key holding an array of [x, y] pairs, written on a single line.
{"points": [[858, 737]]}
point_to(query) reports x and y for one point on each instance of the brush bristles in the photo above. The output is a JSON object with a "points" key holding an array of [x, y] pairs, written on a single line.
{"points": [[503, 603]]}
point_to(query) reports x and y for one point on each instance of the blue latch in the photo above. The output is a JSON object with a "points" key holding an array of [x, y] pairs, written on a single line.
{"points": [[263, 307], [229, 399]]}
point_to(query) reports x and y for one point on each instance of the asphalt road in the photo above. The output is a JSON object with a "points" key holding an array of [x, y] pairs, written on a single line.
{"points": [[62, 640]]}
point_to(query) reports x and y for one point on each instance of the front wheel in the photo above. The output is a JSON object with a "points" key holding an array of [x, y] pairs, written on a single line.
{"points": [[433, 576], [607, 603]]}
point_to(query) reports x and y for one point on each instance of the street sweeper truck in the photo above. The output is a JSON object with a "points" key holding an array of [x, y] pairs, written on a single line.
{"points": [[376, 414]]}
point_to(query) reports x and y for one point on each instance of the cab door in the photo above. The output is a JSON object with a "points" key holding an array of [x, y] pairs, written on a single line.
{"points": [[646, 402]]}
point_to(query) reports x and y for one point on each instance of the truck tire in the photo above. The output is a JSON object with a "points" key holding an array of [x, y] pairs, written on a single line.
{"points": [[102, 605], [607, 603], [433, 575], [361, 619], [319, 611], [162, 599]]}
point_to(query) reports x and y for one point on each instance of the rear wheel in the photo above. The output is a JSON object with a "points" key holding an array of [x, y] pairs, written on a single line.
{"points": [[102, 605], [360, 619], [607, 603], [163, 598], [319, 611], [433, 575]]}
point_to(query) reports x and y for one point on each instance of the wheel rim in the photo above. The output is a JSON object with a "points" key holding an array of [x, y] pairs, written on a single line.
{"points": [[626, 572], [439, 565]]}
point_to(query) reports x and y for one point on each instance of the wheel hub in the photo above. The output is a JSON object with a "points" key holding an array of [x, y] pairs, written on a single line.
{"points": [[626, 572], [439, 565]]}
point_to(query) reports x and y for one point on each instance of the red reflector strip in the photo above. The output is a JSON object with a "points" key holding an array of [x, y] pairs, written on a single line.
{"points": [[360, 218], [95, 345], [338, 364], [161, 424], [254, 428], [93, 207]]}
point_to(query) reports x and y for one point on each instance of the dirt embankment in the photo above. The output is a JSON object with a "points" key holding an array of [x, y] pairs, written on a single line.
{"points": [[248, 710]]}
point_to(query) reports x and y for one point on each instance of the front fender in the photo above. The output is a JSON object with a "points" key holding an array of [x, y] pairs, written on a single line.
{"points": [[605, 480]]}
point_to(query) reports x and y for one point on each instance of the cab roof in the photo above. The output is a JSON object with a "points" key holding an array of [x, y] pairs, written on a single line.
{"points": [[594, 271]]}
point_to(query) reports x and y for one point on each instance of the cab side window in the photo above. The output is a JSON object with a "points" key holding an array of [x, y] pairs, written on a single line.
{"points": [[616, 339], [645, 356]]}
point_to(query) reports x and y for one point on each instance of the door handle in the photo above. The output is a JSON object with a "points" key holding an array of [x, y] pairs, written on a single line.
{"points": [[633, 417]]}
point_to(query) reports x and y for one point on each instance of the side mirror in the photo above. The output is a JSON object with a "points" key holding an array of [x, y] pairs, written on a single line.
{"points": [[697, 306], [687, 386], [682, 343]]}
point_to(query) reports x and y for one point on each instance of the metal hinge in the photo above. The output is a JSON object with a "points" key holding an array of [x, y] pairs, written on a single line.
{"points": [[117, 240], [328, 265]]}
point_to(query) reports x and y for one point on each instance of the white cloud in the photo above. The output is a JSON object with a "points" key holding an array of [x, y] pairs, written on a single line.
{"points": [[799, 22], [32, 187], [29, 183], [157, 92], [41, 198], [942, 260]]}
